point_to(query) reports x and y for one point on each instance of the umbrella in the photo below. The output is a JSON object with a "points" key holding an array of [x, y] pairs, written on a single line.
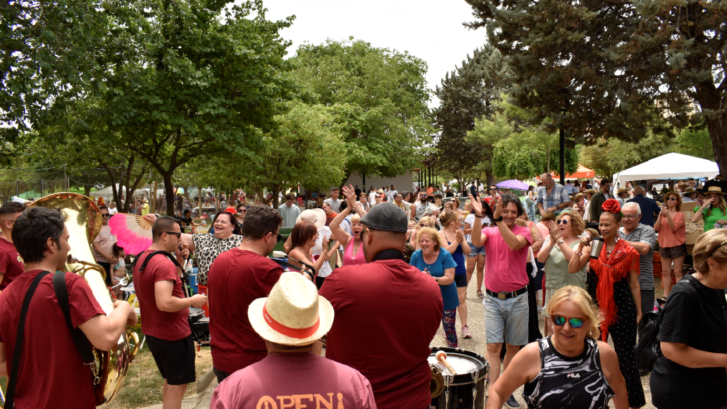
{"points": [[513, 184]]}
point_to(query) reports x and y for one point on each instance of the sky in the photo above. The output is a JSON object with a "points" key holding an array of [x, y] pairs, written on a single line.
{"points": [[431, 30]]}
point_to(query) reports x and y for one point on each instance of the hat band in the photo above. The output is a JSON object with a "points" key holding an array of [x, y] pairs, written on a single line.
{"points": [[298, 333]]}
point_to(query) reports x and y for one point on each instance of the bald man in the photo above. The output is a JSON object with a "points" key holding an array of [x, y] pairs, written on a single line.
{"points": [[649, 208]]}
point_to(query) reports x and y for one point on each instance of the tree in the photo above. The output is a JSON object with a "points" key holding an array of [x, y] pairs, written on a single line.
{"points": [[609, 156], [379, 99], [299, 151], [46, 55], [486, 133], [630, 66], [529, 153], [188, 78], [467, 94]]}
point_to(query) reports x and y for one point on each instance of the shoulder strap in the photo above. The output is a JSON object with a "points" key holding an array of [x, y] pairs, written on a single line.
{"points": [[79, 338], [13, 379]]}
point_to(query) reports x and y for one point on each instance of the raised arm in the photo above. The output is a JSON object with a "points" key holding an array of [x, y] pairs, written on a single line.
{"points": [[577, 263], [335, 226], [478, 239], [513, 241], [538, 239]]}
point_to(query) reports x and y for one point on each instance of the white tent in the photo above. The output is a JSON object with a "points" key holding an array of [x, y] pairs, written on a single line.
{"points": [[669, 166]]}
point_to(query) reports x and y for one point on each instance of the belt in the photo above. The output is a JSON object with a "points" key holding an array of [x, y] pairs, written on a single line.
{"points": [[506, 295]]}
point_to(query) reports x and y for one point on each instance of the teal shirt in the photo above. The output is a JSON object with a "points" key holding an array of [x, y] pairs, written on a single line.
{"points": [[715, 214]]}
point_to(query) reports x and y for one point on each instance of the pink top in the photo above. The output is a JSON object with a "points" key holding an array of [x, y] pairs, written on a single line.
{"points": [[505, 268], [349, 259], [669, 238]]}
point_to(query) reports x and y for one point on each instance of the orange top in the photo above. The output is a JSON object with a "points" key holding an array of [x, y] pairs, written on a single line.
{"points": [[669, 237]]}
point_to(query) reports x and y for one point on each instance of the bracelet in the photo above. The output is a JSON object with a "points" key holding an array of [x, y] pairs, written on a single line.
{"points": [[578, 253], [478, 216], [499, 219]]}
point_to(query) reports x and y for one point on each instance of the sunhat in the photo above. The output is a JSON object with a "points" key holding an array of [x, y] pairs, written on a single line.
{"points": [[294, 314], [714, 190], [622, 190], [591, 191], [315, 216]]}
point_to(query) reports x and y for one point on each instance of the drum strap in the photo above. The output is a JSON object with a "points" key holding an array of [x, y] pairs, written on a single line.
{"points": [[13, 379]]}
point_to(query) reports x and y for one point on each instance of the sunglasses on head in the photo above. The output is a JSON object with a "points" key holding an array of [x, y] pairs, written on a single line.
{"points": [[574, 322]]}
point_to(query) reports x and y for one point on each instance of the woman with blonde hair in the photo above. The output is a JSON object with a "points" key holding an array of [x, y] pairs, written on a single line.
{"points": [[569, 369], [556, 253], [672, 229], [458, 247], [426, 221], [714, 209], [690, 373], [432, 258], [352, 244]]}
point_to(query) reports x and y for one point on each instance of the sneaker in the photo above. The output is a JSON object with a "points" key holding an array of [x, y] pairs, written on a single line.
{"points": [[466, 332], [512, 403]]}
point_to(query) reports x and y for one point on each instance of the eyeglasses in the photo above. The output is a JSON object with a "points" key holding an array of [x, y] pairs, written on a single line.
{"points": [[574, 322], [562, 221], [364, 231], [671, 198], [105, 215], [174, 233], [630, 216], [280, 237]]}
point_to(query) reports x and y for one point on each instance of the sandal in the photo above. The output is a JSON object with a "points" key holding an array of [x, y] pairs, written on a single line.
{"points": [[479, 294]]}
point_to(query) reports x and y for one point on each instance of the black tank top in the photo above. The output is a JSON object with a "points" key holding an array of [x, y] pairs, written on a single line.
{"points": [[563, 382]]}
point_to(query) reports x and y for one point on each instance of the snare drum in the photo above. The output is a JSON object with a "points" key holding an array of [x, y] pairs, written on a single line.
{"points": [[466, 390]]}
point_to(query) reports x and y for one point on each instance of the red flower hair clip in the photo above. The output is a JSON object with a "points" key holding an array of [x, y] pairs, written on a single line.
{"points": [[611, 206], [231, 210]]}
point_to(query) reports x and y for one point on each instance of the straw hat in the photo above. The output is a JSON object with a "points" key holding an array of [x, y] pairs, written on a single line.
{"points": [[578, 196], [690, 190], [591, 191], [683, 184], [294, 314], [714, 190], [380, 191], [315, 216], [622, 190]]}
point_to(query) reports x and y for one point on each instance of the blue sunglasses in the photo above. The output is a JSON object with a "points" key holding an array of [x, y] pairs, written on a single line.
{"points": [[574, 322]]}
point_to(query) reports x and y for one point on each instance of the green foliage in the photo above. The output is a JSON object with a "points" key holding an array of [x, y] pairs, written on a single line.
{"points": [[187, 78], [379, 100], [530, 153], [467, 94], [47, 51], [609, 156], [631, 66], [300, 150], [695, 143]]}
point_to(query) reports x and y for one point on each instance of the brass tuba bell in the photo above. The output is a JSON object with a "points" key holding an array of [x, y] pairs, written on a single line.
{"points": [[83, 221]]}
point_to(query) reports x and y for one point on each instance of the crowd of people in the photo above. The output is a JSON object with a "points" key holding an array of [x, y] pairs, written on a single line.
{"points": [[373, 278]]}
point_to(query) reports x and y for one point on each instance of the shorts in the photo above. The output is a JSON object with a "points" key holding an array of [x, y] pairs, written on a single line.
{"points": [[476, 250], [175, 359], [506, 320], [460, 280], [673, 252]]}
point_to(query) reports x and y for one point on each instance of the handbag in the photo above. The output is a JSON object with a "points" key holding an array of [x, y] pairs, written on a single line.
{"points": [[17, 353]]}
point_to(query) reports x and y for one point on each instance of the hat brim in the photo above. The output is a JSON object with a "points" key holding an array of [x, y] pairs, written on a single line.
{"points": [[715, 193], [255, 315]]}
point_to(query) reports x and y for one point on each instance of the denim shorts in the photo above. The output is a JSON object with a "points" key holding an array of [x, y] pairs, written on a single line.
{"points": [[476, 250], [506, 320]]}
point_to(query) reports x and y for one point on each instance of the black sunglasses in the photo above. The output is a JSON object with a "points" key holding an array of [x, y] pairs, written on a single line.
{"points": [[280, 237], [364, 231], [105, 215], [175, 233], [671, 198]]}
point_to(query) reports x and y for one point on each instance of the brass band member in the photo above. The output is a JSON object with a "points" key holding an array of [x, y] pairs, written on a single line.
{"points": [[51, 372]]}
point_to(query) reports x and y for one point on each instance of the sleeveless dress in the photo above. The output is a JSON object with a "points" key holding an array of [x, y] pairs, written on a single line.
{"points": [[458, 257], [349, 259], [563, 382]]}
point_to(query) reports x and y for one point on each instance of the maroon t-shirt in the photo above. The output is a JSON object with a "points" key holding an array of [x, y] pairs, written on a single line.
{"points": [[236, 279], [387, 313], [11, 264], [52, 373], [294, 381], [170, 326]]}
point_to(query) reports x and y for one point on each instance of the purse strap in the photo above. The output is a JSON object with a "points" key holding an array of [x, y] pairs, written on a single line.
{"points": [[17, 353]]}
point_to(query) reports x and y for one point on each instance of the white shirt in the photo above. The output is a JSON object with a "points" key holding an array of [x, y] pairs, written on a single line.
{"points": [[586, 211], [391, 195], [113, 211], [325, 269], [335, 204], [372, 198]]}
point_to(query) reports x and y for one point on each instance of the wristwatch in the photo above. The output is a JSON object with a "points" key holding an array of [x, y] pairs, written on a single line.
{"points": [[436, 279], [560, 241], [499, 219]]}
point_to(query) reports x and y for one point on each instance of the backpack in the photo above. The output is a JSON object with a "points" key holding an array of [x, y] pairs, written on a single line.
{"points": [[648, 349]]}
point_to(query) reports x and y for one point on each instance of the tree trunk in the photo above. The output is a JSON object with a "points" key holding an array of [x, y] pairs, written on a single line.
{"points": [[153, 198], [710, 99], [168, 191], [490, 177], [87, 190], [275, 198]]}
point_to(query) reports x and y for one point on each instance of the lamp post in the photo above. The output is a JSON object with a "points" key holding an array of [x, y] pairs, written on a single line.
{"points": [[564, 93]]}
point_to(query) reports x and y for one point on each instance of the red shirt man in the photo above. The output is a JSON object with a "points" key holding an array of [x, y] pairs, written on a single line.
{"points": [[11, 264], [387, 313], [51, 372], [236, 279]]}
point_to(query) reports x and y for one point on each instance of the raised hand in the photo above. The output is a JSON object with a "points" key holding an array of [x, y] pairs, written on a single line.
{"points": [[350, 194], [498, 208], [476, 205]]}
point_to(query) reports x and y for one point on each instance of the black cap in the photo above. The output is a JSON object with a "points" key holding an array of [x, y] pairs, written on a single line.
{"points": [[386, 216]]}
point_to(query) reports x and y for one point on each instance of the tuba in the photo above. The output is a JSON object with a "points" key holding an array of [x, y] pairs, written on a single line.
{"points": [[83, 221]]}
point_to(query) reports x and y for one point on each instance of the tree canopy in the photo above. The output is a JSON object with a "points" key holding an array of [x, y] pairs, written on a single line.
{"points": [[630, 66]]}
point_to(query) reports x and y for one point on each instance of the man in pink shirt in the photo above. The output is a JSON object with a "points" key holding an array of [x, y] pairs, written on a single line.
{"points": [[290, 320], [506, 298]]}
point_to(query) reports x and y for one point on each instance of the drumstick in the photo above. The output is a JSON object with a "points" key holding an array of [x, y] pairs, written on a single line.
{"points": [[442, 357]]}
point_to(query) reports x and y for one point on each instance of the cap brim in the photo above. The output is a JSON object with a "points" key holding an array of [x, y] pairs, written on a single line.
{"points": [[255, 315]]}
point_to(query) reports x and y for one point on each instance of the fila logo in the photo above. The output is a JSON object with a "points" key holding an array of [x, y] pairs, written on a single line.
{"points": [[573, 375]]}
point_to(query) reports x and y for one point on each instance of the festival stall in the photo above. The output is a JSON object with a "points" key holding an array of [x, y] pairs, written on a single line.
{"points": [[669, 166]]}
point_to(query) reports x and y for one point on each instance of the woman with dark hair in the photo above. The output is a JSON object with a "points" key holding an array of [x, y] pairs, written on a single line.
{"points": [[614, 284], [226, 236], [302, 240], [671, 225]]}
